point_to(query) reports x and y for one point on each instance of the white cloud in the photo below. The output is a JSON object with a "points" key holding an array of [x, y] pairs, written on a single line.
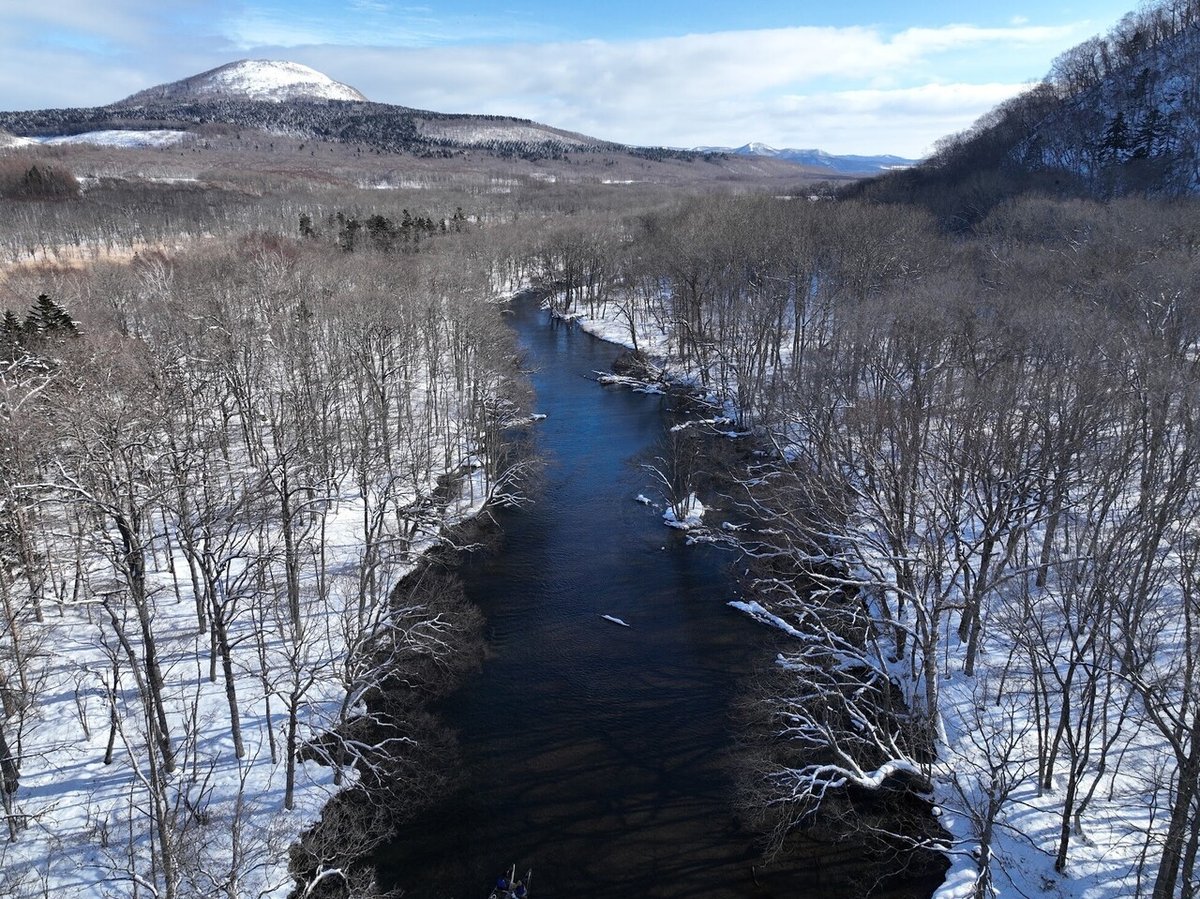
{"points": [[691, 67], [83, 53], [849, 89], [919, 42], [122, 23], [709, 88], [76, 80], [905, 121]]}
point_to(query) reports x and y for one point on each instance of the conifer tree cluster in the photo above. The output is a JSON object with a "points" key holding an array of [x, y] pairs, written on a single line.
{"points": [[380, 232], [46, 322]]}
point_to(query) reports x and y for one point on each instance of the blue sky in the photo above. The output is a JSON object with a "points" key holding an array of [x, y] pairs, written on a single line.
{"points": [[847, 76]]}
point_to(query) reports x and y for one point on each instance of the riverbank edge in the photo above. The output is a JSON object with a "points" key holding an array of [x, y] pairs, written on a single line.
{"points": [[650, 372], [350, 828], [351, 864]]}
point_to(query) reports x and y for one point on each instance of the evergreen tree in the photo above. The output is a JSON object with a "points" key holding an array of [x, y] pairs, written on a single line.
{"points": [[348, 235], [382, 232], [1149, 135], [1116, 137], [47, 320], [12, 337]]}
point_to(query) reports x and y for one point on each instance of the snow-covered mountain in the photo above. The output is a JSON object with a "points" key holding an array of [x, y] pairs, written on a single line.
{"points": [[263, 100], [289, 99], [846, 165], [251, 79]]}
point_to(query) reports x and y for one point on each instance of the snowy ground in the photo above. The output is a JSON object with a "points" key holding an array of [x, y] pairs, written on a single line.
{"points": [[87, 823], [979, 727]]}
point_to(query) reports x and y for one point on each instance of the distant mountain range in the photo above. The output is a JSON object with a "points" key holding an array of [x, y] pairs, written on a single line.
{"points": [[288, 99], [847, 165]]}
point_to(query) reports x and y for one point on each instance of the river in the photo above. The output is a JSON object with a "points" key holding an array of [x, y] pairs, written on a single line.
{"points": [[596, 754]]}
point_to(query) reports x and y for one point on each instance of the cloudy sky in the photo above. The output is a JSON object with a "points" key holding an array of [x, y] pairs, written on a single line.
{"points": [[847, 76]]}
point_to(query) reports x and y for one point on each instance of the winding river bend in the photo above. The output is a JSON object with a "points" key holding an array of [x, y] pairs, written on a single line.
{"points": [[595, 754]]}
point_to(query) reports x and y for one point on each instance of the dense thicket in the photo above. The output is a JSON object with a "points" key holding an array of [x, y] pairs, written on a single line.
{"points": [[32, 179]]}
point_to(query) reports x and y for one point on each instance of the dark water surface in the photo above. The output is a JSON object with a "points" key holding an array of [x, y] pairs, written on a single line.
{"points": [[596, 754]]}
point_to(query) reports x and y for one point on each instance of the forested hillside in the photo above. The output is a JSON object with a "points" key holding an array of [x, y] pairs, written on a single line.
{"points": [[1115, 116], [392, 129]]}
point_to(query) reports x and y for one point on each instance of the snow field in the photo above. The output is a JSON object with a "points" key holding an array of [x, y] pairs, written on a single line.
{"points": [[87, 824]]}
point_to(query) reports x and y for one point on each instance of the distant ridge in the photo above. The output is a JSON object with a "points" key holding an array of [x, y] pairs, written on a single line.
{"points": [[263, 101], [250, 79], [845, 165]]}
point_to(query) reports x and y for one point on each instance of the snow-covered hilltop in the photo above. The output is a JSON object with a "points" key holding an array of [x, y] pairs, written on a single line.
{"points": [[251, 79]]}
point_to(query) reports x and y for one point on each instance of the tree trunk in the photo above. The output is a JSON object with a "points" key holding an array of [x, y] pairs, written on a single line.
{"points": [[135, 570], [289, 792], [1177, 835], [10, 774], [221, 631]]}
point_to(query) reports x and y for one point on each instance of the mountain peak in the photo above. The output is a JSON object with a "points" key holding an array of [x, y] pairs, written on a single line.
{"points": [[757, 148], [251, 79]]}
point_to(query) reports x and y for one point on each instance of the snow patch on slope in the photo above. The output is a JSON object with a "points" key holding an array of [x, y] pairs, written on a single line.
{"points": [[11, 140], [125, 139], [482, 132]]}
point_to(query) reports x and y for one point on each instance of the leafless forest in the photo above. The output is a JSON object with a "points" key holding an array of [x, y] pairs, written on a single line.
{"points": [[990, 484], [979, 504]]}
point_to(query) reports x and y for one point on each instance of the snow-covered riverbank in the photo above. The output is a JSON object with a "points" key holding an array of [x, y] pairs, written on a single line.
{"points": [[989, 723], [203, 516]]}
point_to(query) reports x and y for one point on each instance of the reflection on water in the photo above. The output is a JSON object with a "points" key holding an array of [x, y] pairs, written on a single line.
{"points": [[596, 754]]}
